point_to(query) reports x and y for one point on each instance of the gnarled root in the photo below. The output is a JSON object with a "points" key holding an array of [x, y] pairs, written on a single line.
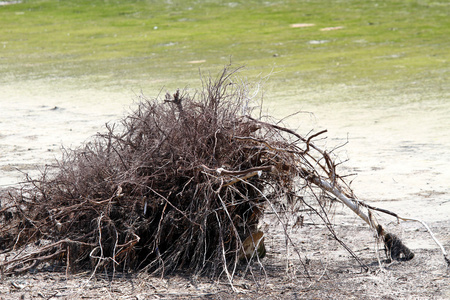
{"points": [[394, 247]]}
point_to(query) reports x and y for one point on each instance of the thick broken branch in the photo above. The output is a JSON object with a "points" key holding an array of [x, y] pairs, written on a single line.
{"points": [[393, 245], [334, 190]]}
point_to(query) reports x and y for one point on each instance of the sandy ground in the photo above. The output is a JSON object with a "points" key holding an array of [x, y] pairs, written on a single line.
{"points": [[397, 145], [332, 272]]}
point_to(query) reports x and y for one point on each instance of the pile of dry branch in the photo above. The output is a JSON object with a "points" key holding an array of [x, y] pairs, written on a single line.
{"points": [[181, 183]]}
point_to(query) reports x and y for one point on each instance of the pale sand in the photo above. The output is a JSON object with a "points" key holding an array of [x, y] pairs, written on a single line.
{"points": [[397, 144]]}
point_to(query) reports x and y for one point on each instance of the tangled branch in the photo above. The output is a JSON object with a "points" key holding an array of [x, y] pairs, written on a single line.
{"points": [[179, 184]]}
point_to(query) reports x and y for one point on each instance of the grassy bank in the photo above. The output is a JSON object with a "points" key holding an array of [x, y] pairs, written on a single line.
{"points": [[110, 43]]}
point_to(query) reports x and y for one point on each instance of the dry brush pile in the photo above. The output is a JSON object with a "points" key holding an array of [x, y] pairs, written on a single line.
{"points": [[180, 183]]}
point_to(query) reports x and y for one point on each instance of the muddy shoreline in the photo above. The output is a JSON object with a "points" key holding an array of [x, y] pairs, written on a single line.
{"points": [[399, 151]]}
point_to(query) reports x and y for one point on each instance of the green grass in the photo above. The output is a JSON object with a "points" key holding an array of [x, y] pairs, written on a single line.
{"points": [[115, 43]]}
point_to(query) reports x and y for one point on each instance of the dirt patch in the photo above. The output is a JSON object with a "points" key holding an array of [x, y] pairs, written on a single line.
{"points": [[324, 269], [333, 274]]}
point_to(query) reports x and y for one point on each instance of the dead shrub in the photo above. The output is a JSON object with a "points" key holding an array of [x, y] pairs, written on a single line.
{"points": [[180, 184]]}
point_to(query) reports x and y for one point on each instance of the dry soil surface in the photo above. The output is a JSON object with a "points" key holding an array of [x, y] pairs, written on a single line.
{"points": [[398, 148], [325, 271]]}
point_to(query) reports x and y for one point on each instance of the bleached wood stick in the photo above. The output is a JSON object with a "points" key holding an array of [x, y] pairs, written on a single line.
{"points": [[353, 205]]}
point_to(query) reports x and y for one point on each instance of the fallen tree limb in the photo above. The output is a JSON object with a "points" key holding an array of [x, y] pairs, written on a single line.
{"points": [[444, 252], [353, 205], [393, 245]]}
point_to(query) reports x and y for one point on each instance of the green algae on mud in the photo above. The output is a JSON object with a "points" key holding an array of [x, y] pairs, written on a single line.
{"points": [[105, 43]]}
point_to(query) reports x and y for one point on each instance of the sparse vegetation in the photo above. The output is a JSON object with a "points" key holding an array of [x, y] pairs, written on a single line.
{"points": [[103, 43]]}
